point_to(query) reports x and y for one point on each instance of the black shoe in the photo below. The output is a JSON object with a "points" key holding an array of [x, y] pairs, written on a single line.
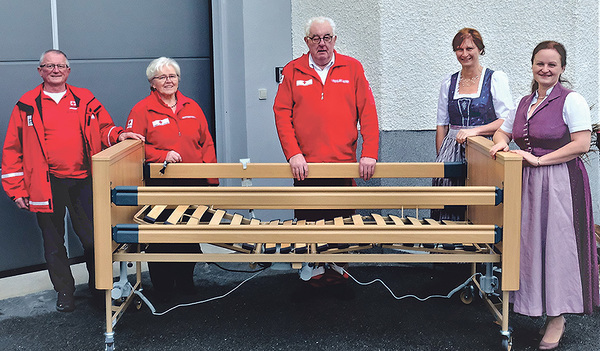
{"points": [[65, 302]]}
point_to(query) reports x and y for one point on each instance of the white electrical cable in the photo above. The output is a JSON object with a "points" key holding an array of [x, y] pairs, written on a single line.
{"points": [[461, 286], [139, 293], [337, 268]]}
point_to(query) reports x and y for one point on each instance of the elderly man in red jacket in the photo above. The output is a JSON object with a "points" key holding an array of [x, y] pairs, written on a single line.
{"points": [[46, 165], [321, 99]]}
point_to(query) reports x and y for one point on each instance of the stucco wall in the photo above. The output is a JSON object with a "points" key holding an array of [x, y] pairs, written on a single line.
{"points": [[405, 46]]}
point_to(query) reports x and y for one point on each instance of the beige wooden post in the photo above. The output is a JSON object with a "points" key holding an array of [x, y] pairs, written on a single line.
{"points": [[505, 173]]}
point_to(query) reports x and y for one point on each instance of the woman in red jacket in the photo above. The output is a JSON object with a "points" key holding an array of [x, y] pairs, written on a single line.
{"points": [[176, 130]]}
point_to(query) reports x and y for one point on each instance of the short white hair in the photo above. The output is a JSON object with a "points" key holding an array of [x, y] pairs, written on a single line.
{"points": [[54, 51], [319, 20], [158, 64]]}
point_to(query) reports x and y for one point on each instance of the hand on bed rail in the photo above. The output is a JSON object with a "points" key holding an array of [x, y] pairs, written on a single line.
{"points": [[172, 157], [366, 167], [299, 166]]}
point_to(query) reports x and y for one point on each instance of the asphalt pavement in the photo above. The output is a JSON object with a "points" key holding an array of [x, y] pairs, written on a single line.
{"points": [[266, 313]]}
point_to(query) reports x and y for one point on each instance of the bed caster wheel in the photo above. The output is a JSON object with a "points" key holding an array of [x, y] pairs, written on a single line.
{"points": [[467, 295], [507, 343], [507, 340]]}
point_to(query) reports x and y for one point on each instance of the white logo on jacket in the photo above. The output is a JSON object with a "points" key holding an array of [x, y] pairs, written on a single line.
{"points": [[345, 81], [129, 124], [30, 120], [304, 83], [160, 122]]}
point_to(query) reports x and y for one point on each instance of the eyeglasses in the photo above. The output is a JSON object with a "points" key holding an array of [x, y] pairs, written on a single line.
{"points": [[50, 66], [163, 78], [315, 39]]}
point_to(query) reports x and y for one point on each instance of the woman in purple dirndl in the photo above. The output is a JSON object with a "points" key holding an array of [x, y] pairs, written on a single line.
{"points": [[558, 268]]}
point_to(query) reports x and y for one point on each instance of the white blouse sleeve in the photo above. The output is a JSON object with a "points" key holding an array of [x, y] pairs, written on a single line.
{"points": [[576, 113], [503, 101], [507, 126], [443, 118]]}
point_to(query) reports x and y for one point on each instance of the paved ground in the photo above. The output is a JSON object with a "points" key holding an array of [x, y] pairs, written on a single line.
{"points": [[262, 315]]}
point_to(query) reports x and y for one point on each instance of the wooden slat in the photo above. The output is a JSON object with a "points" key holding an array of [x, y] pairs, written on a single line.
{"points": [[320, 222], [397, 220], [237, 219], [197, 215], [414, 221], [357, 219], [176, 214], [217, 217], [432, 221], [338, 221], [297, 246], [287, 223], [155, 212], [258, 246], [378, 219]]}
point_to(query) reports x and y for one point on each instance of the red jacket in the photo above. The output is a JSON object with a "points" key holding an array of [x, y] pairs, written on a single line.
{"points": [[320, 121], [24, 166], [185, 131]]}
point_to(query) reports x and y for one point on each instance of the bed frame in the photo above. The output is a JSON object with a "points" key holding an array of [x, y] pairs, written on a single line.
{"points": [[123, 206]]}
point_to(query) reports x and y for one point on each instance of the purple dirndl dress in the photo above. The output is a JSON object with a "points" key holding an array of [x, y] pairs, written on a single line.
{"points": [[558, 267]]}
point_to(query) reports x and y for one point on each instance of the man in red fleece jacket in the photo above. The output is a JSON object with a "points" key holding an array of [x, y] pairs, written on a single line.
{"points": [[322, 97]]}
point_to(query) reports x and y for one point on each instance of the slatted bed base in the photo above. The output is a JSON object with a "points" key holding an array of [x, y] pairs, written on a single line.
{"points": [[207, 218]]}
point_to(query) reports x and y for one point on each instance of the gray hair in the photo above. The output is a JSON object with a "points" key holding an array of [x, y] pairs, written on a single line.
{"points": [[56, 52], [319, 20], [158, 64]]}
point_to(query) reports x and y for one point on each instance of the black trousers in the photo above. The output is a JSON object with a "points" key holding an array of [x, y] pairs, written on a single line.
{"points": [[315, 215], [166, 275], [76, 195]]}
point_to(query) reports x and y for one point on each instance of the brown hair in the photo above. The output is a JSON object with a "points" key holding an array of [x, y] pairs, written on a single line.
{"points": [[468, 33], [550, 44]]}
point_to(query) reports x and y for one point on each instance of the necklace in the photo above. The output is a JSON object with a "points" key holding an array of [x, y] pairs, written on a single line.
{"points": [[173, 106], [468, 82]]}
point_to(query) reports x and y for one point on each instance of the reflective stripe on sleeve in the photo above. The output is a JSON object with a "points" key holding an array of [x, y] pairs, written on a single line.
{"points": [[10, 175], [108, 137], [39, 203]]}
